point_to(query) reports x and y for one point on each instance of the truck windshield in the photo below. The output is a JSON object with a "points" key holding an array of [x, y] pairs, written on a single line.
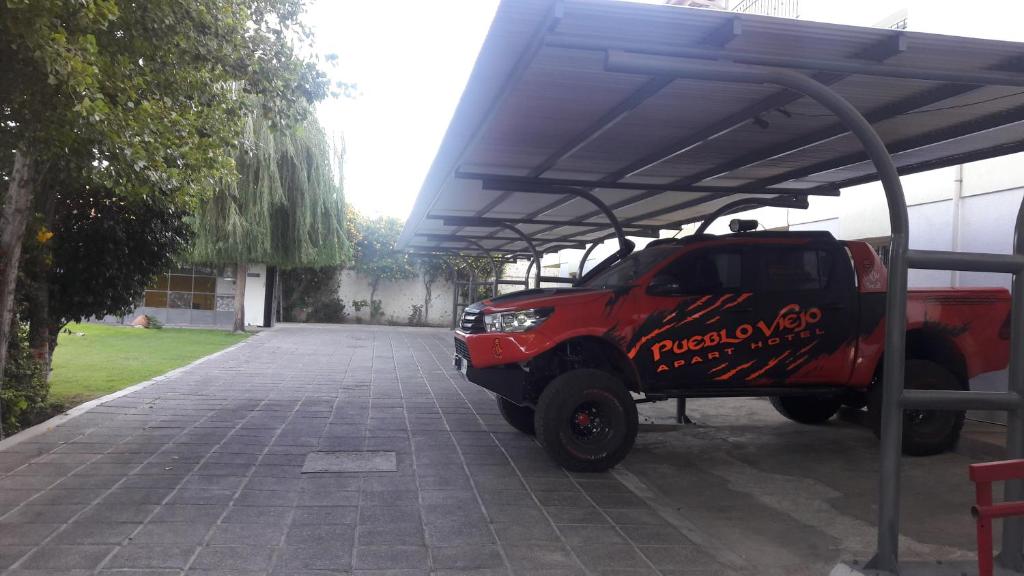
{"points": [[627, 270]]}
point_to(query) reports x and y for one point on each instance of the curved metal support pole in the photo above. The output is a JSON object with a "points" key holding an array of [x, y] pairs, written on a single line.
{"points": [[1013, 528], [746, 204], [625, 245], [583, 260], [494, 269], [536, 255], [887, 555]]}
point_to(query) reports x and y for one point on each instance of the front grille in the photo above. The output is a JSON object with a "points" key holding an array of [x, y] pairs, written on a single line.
{"points": [[472, 322], [462, 350]]}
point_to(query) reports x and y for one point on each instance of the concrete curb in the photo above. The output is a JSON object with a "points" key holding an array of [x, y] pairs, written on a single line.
{"points": [[52, 423]]}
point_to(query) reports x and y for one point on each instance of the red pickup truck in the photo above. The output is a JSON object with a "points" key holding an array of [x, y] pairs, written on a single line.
{"points": [[793, 316]]}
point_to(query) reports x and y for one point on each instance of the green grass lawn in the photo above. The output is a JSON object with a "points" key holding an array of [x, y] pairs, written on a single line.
{"points": [[109, 358]]}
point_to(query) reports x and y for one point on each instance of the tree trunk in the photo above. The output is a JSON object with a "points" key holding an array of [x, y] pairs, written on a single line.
{"points": [[240, 276], [428, 289], [35, 287], [373, 296], [14, 216], [38, 297]]}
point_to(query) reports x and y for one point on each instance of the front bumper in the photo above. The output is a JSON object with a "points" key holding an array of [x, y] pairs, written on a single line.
{"points": [[506, 380]]}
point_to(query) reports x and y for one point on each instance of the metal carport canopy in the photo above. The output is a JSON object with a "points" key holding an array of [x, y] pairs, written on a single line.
{"points": [[543, 117]]}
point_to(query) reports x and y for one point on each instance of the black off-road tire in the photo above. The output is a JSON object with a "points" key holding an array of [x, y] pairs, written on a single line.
{"points": [[519, 417], [586, 420], [807, 409], [925, 432]]}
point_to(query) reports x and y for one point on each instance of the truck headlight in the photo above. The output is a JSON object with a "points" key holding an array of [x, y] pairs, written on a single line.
{"points": [[518, 321]]}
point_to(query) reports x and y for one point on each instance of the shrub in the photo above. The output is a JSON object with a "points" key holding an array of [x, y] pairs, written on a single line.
{"points": [[25, 389], [311, 295], [416, 316]]}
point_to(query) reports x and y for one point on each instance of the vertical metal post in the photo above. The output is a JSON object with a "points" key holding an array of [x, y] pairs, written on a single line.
{"points": [[887, 555], [583, 260], [455, 297], [526, 277], [1010, 556]]}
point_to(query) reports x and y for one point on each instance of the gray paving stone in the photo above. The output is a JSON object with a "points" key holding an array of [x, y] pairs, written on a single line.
{"points": [[574, 515], [25, 534], [57, 496], [103, 512], [390, 534], [584, 535], [61, 557], [534, 558], [677, 557], [247, 534], [224, 559], [466, 557], [325, 515], [312, 535], [11, 554], [380, 515], [257, 515], [389, 557], [176, 533], [646, 517], [194, 513], [604, 556], [32, 514], [658, 535], [324, 557], [151, 556], [95, 533], [457, 532], [517, 533]]}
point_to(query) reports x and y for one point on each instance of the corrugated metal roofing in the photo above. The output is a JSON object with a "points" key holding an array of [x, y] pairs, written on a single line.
{"points": [[541, 105]]}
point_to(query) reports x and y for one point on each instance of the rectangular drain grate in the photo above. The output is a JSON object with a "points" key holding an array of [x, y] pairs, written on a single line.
{"points": [[350, 462]]}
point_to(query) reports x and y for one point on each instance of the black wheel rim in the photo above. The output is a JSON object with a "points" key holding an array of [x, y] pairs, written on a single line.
{"points": [[589, 423]]}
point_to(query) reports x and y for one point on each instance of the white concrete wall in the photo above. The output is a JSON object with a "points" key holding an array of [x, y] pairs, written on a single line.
{"points": [[396, 298]]}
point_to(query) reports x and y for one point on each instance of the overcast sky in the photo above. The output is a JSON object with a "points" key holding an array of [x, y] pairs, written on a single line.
{"points": [[411, 58]]}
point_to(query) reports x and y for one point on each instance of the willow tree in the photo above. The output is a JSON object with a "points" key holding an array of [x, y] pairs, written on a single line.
{"points": [[284, 209]]}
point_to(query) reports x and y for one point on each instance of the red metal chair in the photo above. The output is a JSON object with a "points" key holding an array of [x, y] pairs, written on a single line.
{"points": [[984, 511]]}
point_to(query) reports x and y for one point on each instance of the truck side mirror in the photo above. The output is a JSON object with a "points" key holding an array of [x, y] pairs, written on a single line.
{"points": [[741, 225], [664, 285]]}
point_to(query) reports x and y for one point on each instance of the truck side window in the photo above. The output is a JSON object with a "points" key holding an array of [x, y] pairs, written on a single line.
{"points": [[795, 268], [704, 273]]}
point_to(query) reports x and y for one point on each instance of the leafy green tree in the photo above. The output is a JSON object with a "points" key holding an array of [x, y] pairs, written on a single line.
{"points": [[377, 257], [283, 209], [94, 255], [154, 91]]}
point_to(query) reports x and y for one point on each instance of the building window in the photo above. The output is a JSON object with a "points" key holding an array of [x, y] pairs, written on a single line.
{"points": [[777, 8], [187, 288]]}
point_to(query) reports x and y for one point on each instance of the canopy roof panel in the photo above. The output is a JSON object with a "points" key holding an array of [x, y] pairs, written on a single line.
{"points": [[543, 117]]}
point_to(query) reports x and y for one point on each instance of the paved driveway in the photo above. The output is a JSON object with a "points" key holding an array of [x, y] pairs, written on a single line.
{"points": [[201, 474]]}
